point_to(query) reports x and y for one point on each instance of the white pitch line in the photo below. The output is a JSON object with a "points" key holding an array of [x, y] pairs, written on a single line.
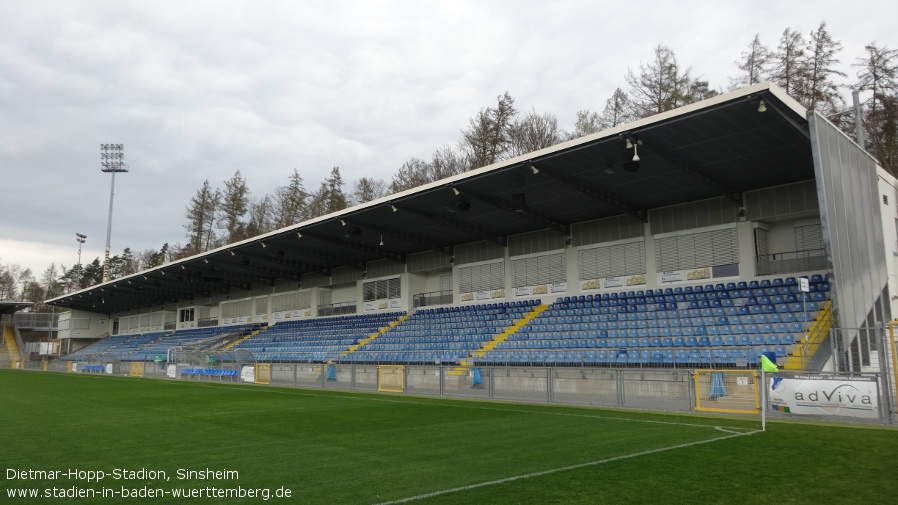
{"points": [[557, 470]]}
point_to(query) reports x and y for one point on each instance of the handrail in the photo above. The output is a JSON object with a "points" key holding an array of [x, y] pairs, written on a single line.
{"points": [[335, 309], [432, 298], [806, 260], [19, 343], [815, 335]]}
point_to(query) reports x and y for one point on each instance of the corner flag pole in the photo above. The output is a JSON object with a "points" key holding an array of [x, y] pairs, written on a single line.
{"points": [[766, 366], [763, 401]]}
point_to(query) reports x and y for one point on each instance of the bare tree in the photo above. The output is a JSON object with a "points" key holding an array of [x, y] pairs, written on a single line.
{"points": [[201, 218], [587, 123], [290, 204], [367, 189], [533, 132], [233, 206], [878, 75], [663, 85], [446, 162], [413, 173], [754, 64], [788, 64], [488, 136], [329, 197], [261, 217], [822, 92], [618, 110]]}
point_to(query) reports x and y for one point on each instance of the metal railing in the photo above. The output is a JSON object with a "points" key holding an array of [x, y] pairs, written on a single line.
{"points": [[432, 298], [336, 309], [644, 389], [44, 321], [203, 323], [792, 261]]}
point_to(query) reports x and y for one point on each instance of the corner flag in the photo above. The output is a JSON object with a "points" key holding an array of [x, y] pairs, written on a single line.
{"points": [[767, 365]]}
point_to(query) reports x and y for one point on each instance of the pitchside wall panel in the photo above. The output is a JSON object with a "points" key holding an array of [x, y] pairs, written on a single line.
{"points": [[848, 196]]}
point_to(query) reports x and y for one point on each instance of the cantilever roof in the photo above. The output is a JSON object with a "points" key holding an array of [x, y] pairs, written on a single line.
{"points": [[13, 307], [718, 147]]}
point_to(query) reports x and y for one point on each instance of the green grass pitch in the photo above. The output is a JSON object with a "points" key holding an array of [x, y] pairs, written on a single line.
{"points": [[327, 447]]}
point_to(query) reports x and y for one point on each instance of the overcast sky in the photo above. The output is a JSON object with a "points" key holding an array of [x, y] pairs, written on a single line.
{"points": [[196, 90]]}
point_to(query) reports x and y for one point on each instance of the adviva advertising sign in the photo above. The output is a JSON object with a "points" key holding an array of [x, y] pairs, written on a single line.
{"points": [[825, 396]]}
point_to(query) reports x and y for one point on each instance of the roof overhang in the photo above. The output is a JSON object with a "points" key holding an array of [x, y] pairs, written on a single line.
{"points": [[720, 147]]}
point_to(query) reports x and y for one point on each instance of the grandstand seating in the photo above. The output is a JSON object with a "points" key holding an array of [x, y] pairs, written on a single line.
{"points": [[726, 324], [315, 339], [721, 324], [145, 346], [444, 335]]}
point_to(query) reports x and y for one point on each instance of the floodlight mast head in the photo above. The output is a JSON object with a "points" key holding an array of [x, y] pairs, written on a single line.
{"points": [[111, 158]]}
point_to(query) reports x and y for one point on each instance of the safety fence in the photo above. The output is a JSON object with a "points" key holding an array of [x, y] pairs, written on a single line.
{"points": [[834, 397]]}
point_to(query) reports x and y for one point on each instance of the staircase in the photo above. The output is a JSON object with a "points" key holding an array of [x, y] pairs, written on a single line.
{"points": [[250, 334], [465, 364], [12, 348], [805, 349], [354, 347]]}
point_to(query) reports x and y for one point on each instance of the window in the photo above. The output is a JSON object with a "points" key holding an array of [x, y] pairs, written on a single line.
{"points": [[484, 277], [809, 238], [697, 250], [383, 289], [612, 261], [535, 270]]}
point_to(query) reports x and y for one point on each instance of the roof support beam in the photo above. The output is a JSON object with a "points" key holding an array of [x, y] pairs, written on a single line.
{"points": [[278, 266], [374, 251], [407, 237], [688, 167], [489, 235], [525, 213], [601, 195]]}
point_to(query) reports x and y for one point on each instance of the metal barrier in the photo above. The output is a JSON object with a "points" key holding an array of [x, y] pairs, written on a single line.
{"points": [[675, 390]]}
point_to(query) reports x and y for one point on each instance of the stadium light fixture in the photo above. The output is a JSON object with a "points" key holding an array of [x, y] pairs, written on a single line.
{"points": [[81, 238], [762, 107], [342, 222], [393, 208], [632, 142], [381, 239], [298, 235], [534, 169], [455, 190], [111, 156]]}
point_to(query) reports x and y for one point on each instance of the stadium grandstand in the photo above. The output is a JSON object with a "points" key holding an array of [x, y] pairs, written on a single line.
{"points": [[706, 236]]}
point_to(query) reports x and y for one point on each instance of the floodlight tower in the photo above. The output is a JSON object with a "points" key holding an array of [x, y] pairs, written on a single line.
{"points": [[81, 238], [111, 156]]}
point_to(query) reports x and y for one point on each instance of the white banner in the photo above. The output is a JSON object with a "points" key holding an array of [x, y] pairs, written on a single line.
{"points": [[172, 371], [248, 373], [825, 396]]}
